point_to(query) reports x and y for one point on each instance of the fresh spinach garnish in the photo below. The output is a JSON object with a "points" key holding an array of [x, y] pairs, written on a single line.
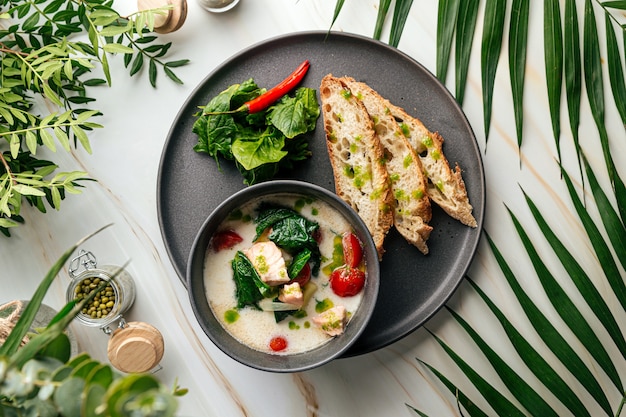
{"points": [[261, 143]]}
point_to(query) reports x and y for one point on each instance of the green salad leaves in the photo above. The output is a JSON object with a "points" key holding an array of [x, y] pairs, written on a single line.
{"points": [[262, 143]]}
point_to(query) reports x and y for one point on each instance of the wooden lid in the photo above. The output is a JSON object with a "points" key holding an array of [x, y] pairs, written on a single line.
{"points": [[138, 347], [174, 18]]}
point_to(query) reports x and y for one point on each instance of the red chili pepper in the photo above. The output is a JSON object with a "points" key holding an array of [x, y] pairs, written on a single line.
{"points": [[268, 98]]}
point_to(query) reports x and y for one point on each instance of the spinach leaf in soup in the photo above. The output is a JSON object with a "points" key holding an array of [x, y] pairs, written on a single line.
{"points": [[298, 262], [291, 232], [249, 287]]}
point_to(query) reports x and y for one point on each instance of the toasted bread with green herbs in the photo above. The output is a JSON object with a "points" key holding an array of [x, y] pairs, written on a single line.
{"points": [[408, 183], [445, 186], [357, 158]]}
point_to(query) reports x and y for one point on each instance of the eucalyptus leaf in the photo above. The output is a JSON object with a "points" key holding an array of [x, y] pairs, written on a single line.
{"points": [[84, 369], [95, 396], [59, 348], [65, 397], [101, 375]]}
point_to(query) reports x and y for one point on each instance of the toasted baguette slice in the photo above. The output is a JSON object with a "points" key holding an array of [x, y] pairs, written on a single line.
{"points": [[408, 183], [445, 186], [356, 156]]}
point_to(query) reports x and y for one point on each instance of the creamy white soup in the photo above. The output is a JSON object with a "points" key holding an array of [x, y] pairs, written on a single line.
{"points": [[303, 328]]}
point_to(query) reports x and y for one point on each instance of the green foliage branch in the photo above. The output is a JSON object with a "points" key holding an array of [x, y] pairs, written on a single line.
{"points": [[49, 50]]}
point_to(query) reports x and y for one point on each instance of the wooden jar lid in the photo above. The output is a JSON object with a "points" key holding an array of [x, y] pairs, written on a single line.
{"points": [[174, 18], [138, 347]]}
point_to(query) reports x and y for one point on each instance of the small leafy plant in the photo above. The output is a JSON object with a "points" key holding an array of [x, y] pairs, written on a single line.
{"points": [[39, 378], [45, 63]]}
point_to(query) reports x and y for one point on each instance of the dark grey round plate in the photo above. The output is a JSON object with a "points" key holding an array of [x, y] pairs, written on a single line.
{"points": [[413, 286]]}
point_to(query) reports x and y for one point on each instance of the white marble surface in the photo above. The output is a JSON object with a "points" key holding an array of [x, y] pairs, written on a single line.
{"points": [[125, 162]]}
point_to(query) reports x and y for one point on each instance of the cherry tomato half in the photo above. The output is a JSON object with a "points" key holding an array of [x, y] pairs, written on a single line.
{"points": [[346, 282], [352, 251], [303, 277], [278, 343], [225, 239]]}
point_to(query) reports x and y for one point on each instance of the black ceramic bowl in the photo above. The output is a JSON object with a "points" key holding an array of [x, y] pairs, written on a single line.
{"points": [[254, 358]]}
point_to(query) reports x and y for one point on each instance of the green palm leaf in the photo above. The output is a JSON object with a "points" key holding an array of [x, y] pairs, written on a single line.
{"points": [[338, 7], [580, 279], [551, 335], [567, 309], [446, 23], [493, 29], [603, 253], [462, 399], [616, 72], [465, 27], [595, 94], [612, 223], [500, 404], [573, 72], [383, 8], [523, 392], [400, 14], [534, 360], [619, 4], [518, 37], [553, 56]]}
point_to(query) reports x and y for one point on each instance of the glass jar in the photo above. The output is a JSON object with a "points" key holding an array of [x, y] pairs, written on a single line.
{"points": [[116, 299]]}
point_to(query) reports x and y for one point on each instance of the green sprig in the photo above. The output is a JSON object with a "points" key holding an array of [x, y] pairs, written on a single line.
{"points": [[42, 61]]}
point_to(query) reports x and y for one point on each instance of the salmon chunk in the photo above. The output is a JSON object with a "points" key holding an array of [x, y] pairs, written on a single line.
{"points": [[269, 263], [332, 321]]}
